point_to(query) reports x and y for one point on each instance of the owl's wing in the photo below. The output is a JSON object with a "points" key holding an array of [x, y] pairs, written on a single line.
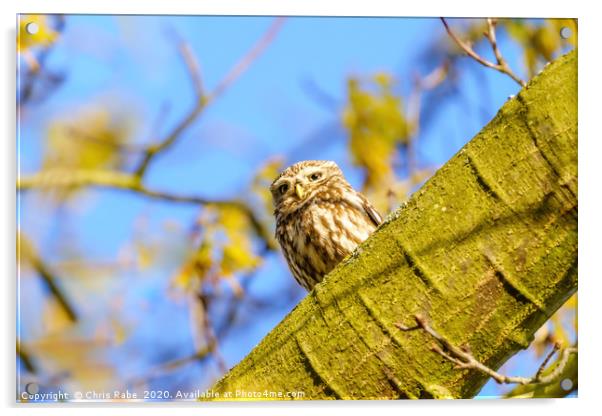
{"points": [[372, 212]]}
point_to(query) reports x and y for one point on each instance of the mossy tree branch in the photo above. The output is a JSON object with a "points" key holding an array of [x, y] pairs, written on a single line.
{"points": [[486, 250]]}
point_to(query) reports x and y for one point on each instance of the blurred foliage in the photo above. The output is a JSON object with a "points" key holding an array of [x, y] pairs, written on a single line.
{"points": [[377, 124], [560, 329], [36, 80], [382, 134], [224, 249], [25, 252], [94, 139], [72, 357], [540, 41], [261, 183], [90, 138], [45, 36]]}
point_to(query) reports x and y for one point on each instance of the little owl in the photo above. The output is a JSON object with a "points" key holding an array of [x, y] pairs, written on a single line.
{"points": [[320, 218]]}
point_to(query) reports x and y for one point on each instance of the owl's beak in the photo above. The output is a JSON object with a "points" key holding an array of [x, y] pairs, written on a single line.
{"points": [[299, 191]]}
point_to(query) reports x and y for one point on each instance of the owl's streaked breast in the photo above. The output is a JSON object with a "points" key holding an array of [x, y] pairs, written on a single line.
{"points": [[319, 235]]}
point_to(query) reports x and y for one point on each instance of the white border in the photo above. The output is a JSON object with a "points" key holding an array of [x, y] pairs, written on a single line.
{"points": [[589, 185], [506, 8]]}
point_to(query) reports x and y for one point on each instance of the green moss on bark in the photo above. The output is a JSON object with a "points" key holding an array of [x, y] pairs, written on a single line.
{"points": [[487, 250]]}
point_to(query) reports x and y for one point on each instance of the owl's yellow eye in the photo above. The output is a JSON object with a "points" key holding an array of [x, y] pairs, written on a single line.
{"points": [[283, 188], [315, 176]]}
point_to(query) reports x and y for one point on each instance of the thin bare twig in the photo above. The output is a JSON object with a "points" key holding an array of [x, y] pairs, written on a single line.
{"points": [[464, 359], [421, 84], [243, 64], [166, 367], [57, 292], [209, 331], [202, 99], [199, 105], [490, 34], [501, 65], [171, 138], [194, 69]]}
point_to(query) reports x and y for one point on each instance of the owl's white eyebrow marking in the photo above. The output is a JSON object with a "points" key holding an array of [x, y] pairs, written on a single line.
{"points": [[309, 170]]}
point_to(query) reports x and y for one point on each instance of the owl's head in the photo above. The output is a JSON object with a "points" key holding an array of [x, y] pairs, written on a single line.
{"points": [[298, 184]]}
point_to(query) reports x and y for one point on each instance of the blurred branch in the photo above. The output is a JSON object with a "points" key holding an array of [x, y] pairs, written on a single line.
{"points": [[501, 65], [210, 349], [319, 95], [200, 102], [172, 365], [59, 178], [194, 69], [464, 359], [67, 178], [25, 358], [25, 249], [216, 334], [133, 182], [243, 64], [202, 99], [569, 372], [37, 72], [209, 331], [58, 294], [421, 84]]}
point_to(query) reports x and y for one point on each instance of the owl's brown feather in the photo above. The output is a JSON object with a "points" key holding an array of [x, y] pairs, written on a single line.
{"points": [[320, 218]]}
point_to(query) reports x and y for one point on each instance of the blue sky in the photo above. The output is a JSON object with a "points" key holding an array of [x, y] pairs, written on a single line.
{"points": [[131, 63]]}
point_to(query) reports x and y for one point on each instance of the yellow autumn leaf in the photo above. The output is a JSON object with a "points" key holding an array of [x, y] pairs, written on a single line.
{"points": [[262, 181], [88, 139], [540, 40], [546, 41], [54, 317], [383, 79], [563, 24], [44, 36], [183, 276], [238, 258], [203, 259], [376, 122], [119, 331], [145, 255], [237, 253], [225, 250]]}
